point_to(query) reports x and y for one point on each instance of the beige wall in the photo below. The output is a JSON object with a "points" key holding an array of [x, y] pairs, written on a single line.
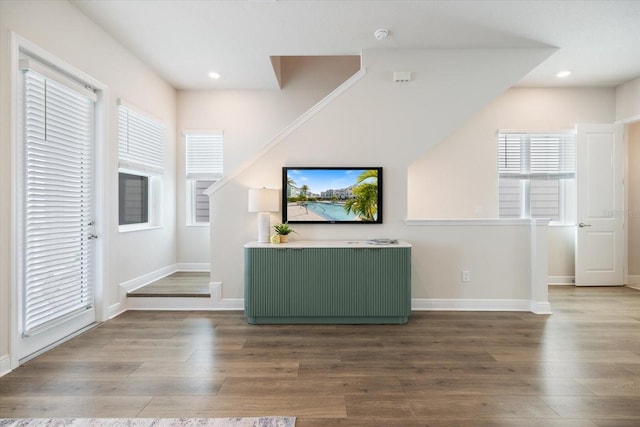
{"points": [[628, 100], [249, 120], [633, 209], [628, 111], [562, 254], [457, 178], [62, 31], [466, 161], [379, 122], [316, 73]]}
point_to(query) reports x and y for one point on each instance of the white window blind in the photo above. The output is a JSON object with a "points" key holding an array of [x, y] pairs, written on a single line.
{"points": [[533, 170], [140, 142], [204, 155], [536, 156], [58, 141]]}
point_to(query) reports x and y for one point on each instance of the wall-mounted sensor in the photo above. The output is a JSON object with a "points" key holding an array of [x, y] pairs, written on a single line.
{"points": [[401, 76]]}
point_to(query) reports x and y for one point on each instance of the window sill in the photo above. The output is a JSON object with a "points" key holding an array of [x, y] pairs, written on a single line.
{"points": [[137, 227]]}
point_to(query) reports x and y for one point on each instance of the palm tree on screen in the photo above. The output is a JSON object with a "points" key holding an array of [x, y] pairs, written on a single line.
{"points": [[305, 190], [364, 204]]}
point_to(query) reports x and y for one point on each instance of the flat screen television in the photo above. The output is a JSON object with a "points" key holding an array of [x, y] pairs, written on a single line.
{"points": [[332, 195]]}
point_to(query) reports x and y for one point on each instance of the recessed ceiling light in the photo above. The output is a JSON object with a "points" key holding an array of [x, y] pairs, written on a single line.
{"points": [[564, 73], [214, 75]]}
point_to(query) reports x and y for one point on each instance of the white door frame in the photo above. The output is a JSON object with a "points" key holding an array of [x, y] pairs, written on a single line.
{"points": [[625, 123], [19, 44]]}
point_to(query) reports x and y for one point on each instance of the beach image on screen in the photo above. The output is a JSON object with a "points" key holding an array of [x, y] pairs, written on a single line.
{"points": [[332, 195]]}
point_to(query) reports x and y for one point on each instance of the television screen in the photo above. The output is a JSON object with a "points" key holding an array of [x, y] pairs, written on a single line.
{"points": [[350, 195]]}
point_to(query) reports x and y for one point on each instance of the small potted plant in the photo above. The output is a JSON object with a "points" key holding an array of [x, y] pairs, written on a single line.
{"points": [[283, 231]]}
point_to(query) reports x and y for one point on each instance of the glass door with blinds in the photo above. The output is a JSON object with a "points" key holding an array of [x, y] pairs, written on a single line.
{"points": [[56, 213]]}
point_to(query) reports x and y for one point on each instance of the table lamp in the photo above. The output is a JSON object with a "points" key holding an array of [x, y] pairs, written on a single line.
{"points": [[263, 201]]}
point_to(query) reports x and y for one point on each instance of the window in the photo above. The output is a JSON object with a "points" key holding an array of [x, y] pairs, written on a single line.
{"points": [[140, 161], [537, 175], [133, 191], [199, 203], [203, 169]]}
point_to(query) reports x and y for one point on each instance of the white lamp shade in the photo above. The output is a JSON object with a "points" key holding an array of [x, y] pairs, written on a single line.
{"points": [[264, 200]]}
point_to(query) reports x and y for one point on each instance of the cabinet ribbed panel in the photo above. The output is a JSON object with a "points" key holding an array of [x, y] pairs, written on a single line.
{"points": [[268, 282], [328, 285]]}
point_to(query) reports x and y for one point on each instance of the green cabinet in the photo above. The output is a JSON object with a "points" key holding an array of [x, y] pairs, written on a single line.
{"points": [[327, 282]]}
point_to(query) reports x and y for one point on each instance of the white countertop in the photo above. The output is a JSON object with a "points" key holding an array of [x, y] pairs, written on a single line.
{"points": [[327, 244]]}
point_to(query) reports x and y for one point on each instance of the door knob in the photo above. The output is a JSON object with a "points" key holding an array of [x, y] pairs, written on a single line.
{"points": [[582, 225]]}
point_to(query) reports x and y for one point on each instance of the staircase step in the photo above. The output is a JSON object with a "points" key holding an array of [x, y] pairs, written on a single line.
{"points": [[177, 285], [152, 294]]}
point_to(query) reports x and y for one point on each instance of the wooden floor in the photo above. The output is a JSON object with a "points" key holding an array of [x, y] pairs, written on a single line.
{"points": [[180, 284], [577, 367]]}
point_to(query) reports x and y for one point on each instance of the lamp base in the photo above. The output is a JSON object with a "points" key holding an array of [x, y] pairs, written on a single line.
{"points": [[264, 227]]}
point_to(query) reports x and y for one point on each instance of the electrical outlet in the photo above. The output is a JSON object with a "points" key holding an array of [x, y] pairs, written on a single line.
{"points": [[466, 276]]}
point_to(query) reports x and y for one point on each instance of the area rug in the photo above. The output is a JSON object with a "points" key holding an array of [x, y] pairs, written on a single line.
{"points": [[149, 422]]}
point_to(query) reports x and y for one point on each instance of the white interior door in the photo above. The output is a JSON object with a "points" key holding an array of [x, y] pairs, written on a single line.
{"points": [[600, 229]]}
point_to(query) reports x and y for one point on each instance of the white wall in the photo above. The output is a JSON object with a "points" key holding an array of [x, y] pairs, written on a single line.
{"points": [[633, 208], [249, 119], [628, 100], [467, 161], [378, 122], [458, 177], [63, 31], [628, 111]]}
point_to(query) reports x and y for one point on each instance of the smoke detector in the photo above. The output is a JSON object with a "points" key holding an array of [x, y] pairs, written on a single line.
{"points": [[381, 33]]}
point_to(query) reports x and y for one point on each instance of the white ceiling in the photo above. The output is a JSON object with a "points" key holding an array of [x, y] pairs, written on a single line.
{"points": [[184, 40]]}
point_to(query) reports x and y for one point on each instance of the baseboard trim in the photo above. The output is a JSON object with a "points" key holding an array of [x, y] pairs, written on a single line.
{"points": [[217, 302], [541, 307], [561, 280], [193, 266], [224, 303], [183, 304], [138, 282], [473, 305], [5, 365], [116, 310], [633, 280]]}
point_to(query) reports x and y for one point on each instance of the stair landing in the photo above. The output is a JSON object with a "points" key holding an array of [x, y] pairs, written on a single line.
{"points": [[181, 284]]}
